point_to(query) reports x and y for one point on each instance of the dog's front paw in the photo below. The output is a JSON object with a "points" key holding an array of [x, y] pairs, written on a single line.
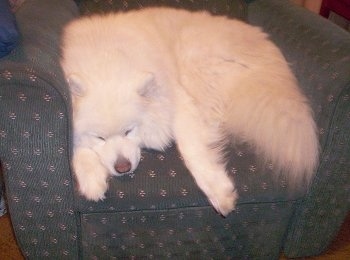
{"points": [[224, 201], [91, 176], [93, 186]]}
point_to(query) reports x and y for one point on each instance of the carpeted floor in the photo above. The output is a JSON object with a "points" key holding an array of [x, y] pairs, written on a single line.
{"points": [[338, 250], [8, 247]]}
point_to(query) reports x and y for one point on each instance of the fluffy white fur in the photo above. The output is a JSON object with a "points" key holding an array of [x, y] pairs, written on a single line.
{"points": [[145, 78]]}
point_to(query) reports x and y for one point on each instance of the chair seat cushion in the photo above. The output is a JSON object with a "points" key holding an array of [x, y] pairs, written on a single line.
{"points": [[162, 181]]}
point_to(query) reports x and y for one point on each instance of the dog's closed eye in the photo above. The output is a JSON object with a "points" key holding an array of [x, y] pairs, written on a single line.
{"points": [[127, 132], [98, 136]]}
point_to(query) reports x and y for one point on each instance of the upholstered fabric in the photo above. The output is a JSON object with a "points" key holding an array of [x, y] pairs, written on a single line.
{"points": [[235, 8], [2, 205], [2, 199], [321, 61], [34, 134], [319, 54], [251, 232], [158, 211]]}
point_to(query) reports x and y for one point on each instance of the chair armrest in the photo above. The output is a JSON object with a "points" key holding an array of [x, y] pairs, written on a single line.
{"points": [[35, 134], [319, 53]]}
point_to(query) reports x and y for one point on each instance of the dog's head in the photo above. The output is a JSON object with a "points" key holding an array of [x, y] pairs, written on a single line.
{"points": [[111, 91], [107, 118]]}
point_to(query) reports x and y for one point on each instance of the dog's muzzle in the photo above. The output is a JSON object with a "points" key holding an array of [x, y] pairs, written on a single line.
{"points": [[122, 165]]}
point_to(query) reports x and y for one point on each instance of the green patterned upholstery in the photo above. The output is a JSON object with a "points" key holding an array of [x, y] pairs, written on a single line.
{"points": [[235, 8], [2, 198], [158, 212], [319, 53], [35, 134]]}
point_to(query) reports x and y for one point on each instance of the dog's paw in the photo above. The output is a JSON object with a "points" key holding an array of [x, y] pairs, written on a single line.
{"points": [[93, 187], [91, 176], [224, 201]]}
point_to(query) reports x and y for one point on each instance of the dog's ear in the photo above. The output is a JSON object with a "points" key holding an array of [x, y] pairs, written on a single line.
{"points": [[148, 88], [76, 85]]}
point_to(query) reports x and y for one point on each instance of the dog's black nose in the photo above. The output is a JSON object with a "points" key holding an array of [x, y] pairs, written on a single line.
{"points": [[122, 165]]}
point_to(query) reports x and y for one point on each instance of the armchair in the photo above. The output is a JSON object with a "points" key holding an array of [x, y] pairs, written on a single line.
{"points": [[158, 212]]}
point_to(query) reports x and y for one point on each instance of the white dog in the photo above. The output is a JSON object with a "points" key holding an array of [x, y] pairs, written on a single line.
{"points": [[144, 78]]}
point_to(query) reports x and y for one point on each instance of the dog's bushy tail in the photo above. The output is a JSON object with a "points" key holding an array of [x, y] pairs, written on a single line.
{"points": [[275, 118]]}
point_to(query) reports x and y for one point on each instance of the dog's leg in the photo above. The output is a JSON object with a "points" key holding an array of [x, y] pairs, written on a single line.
{"points": [[195, 139], [91, 175]]}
